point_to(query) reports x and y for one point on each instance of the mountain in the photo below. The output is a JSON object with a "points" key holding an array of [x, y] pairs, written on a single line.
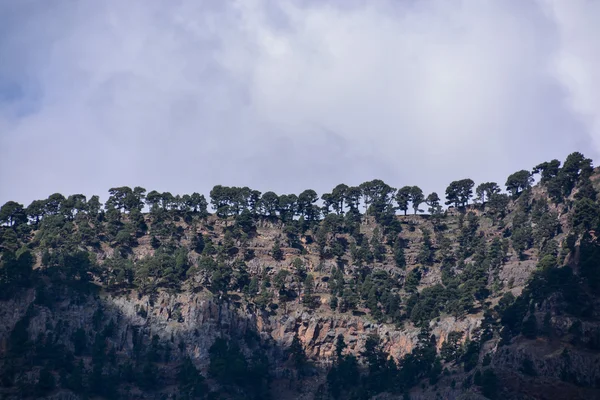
{"points": [[342, 296]]}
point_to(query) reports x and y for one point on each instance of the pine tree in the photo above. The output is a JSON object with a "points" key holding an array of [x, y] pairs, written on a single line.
{"points": [[276, 251], [297, 354], [308, 298]]}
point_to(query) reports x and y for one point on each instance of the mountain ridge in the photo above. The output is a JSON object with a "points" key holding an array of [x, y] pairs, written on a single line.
{"points": [[307, 306]]}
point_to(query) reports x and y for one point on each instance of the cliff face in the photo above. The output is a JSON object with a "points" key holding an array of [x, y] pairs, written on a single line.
{"points": [[197, 319], [192, 321]]}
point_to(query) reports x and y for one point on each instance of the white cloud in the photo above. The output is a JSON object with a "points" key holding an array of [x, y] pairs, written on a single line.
{"points": [[577, 62], [287, 95]]}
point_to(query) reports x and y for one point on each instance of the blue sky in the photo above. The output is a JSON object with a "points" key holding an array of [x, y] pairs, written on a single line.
{"points": [[287, 95]]}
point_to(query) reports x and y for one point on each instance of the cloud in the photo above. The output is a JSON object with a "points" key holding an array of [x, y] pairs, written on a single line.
{"points": [[576, 63], [182, 95]]}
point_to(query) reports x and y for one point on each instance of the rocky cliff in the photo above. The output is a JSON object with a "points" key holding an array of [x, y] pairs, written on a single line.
{"points": [[116, 304]]}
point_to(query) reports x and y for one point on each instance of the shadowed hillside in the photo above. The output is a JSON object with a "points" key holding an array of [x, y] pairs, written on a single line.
{"points": [[364, 292]]}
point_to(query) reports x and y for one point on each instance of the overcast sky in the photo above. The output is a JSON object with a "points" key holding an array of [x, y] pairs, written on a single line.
{"points": [[180, 95]]}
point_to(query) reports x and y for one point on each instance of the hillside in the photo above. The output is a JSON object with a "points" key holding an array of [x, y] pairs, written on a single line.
{"points": [[364, 292]]}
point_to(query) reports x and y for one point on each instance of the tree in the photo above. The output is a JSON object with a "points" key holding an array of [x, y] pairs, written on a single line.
{"points": [[153, 200], [198, 204], [327, 203], [16, 268], [372, 303], [238, 198], [254, 201], [349, 298], [230, 200], [269, 202], [403, 197], [94, 206], [308, 298], [486, 190], [412, 280], [522, 235], [12, 213], [586, 215], [279, 279], [497, 205], [353, 195], [417, 198], [119, 197], [519, 181], [548, 170], [276, 251], [135, 200], [451, 348], [344, 374], [586, 190], [373, 353], [227, 363], [74, 204], [297, 354], [219, 199], [588, 261], [333, 302], [425, 256], [36, 211], [299, 268], [377, 362], [338, 197], [287, 207], [306, 201], [399, 257], [178, 203], [433, 201], [191, 381], [53, 203], [80, 202], [379, 250], [459, 192], [340, 345], [167, 201], [575, 167], [377, 195]]}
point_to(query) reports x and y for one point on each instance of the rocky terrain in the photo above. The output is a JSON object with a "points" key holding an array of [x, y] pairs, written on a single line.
{"points": [[175, 302]]}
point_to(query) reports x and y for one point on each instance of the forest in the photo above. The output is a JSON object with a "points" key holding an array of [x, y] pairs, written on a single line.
{"points": [[394, 258]]}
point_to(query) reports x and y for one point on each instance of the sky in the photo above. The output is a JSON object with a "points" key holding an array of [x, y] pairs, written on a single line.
{"points": [[284, 95]]}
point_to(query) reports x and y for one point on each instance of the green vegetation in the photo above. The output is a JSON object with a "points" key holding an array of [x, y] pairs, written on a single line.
{"points": [[345, 253]]}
